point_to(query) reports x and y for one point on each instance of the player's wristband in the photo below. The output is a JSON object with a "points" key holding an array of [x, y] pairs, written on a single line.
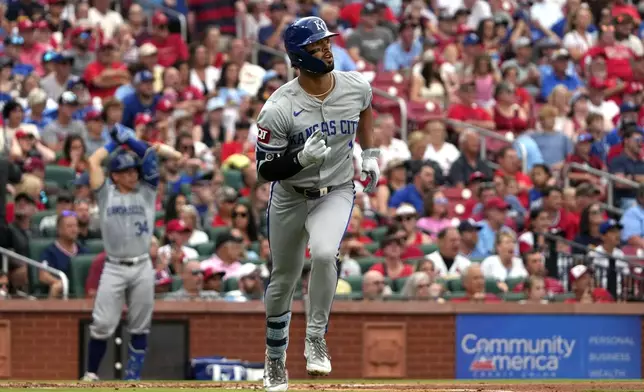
{"points": [[111, 146], [137, 146]]}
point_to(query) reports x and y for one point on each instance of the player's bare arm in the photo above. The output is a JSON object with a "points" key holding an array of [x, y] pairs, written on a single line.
{"points": [[96, 174], [365, 129]]}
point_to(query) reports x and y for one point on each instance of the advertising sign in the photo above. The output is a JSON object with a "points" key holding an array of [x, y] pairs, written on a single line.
{"points": [[548, 346]]}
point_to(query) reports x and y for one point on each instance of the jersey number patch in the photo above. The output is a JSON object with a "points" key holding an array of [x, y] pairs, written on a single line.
{"points": [[141, 228], [263, 135]]}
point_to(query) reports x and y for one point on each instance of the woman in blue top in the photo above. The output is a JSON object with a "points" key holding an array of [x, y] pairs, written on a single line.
{"points": [[228, 85]]}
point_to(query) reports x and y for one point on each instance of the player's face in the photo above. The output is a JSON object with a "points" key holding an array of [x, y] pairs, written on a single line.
{"points": [[127, 179], [321, 50]]}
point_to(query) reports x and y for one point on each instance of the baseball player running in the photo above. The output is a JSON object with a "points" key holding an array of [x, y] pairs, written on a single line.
{"points": [[304, 147], [126, 203]]}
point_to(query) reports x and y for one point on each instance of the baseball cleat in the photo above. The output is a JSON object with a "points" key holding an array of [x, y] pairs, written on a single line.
{"points": [[275, 374], [318, 360], [90, 377]]}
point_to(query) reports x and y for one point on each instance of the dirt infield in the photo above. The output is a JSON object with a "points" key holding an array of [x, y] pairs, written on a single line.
{"points": [[468, 386]]}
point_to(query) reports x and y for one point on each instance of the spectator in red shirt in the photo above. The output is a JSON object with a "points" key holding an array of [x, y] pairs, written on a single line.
{"points": [[620, 7], [510, 165], [618, 56], [409, 251], [351, 13], [225, 200], [474, 283], [534, 263], [581, 155], [581, 279], [468, 111], [171, 47], [393, 266], [106, 74], [32, 50], [560, 219]]}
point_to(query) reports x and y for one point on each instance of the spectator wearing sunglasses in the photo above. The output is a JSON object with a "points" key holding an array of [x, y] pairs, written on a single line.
{"points": [[435, 217], [394, 250], [407, 217], [245, 223], [192, 289], [59, 254]]}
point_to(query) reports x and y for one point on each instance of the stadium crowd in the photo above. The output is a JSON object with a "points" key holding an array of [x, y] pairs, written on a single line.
{"points": [[561, 81]]}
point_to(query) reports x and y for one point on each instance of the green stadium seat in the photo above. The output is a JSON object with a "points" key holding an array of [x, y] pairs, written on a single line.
{"points": [[36, 247], [455, 285], [254, 247], [454, 295], [94, 246], [428, 248], [491, 286], [78, 274], [395, 297], [367, 262], [230, 284], [214, 232], [62, 176], [185, 189], [159, 215], [206, 249], [38, 217], [562, 297], [233, 178], [513, 282], [378, 233], [244, 200], [513, 297], [372, 247], [355, 282], [177, 283], [159, 232], [399, 283]]}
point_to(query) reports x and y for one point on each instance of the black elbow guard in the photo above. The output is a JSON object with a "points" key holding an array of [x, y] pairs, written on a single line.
{"points": [[279, 167]]}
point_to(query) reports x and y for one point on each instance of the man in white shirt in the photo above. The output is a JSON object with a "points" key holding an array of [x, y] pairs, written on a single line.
{"points": [[175, 252], [597, 103], [479, 10], [546, 13], [251, 75], [100, 15], [390, 148], [448, 262], [610, 231]]}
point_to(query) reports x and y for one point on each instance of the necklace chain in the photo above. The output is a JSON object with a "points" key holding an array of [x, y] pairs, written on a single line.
{"points": [[327, 91]]}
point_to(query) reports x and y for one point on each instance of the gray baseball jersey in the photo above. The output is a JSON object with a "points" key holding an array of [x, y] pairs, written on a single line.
{"points": [[291, 115], [127, 220]]}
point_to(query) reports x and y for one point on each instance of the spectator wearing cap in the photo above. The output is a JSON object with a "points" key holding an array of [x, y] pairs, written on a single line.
{"points": [[407, 217], [59, 254], [174, 253], [100, 14], [107, 73], [228, 250], [495, 213], [448, 261], [528, 74], [31, 51], [628, 117], [368, 41], [41, 109], [82, 191], [392, 247], [469, 244], [94, 139], [189, 215], [559, 75], [204, 187], [402, 53], [271, 34], [534, 263], [578, 39], [192, 277], [249, 285], [474, 284], [624, 25], [581, 278], [148, 57], [633, 222], [582, 156], [225, 199], [80, 49], [171, 46], [618, 56], [351, 13], [553, 144], [467, 110], [213, 279], [27, 145], [65, 202], [630, 165], [64, 125], [56, 82], [414, 193], [610, 231], [469, 162], [144, 99]]}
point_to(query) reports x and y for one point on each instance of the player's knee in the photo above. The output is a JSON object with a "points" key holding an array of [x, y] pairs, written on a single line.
{"points": [[324, 254], [102, 329]]}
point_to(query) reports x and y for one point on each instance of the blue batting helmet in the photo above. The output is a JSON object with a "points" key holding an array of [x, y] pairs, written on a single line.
{"points": [[121, 161], [303, 32]]}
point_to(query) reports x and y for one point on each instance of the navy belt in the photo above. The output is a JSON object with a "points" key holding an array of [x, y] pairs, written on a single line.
{"points": [[313, 193], [128, 262]]}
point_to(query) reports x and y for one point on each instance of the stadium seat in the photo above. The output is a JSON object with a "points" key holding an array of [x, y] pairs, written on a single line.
{"points": [[78, 273], [177, 283], [491, 286], [94, 246], [254, 246], [513, 297], [428, 248], [562, 297], [395, 297], [214, 232], [398, 284], [206, 249], [38, 217], [372, 247], [355, 282], [455, 285], [159, 215], [454, 295], [230, 284], [61, 175], [378, 233], [233, 178], [244, 200], [36, 247], [513, 282], [367, 262]]}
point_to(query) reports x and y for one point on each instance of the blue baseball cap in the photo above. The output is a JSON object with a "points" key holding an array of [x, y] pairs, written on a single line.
{"points": [[471, 39], [585, 137], [82, 180], [143, 77], [609, 225], [629, 107]]}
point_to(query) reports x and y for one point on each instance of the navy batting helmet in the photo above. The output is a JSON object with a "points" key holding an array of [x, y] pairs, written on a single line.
{"points": [[121, 161], [303, 32]]}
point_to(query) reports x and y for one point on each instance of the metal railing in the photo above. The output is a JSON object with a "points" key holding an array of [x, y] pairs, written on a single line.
{"points": [[623, 277], [493, 135], [33, 263], [611, 179], [402, 105], [183, 23], [257, 47]]}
